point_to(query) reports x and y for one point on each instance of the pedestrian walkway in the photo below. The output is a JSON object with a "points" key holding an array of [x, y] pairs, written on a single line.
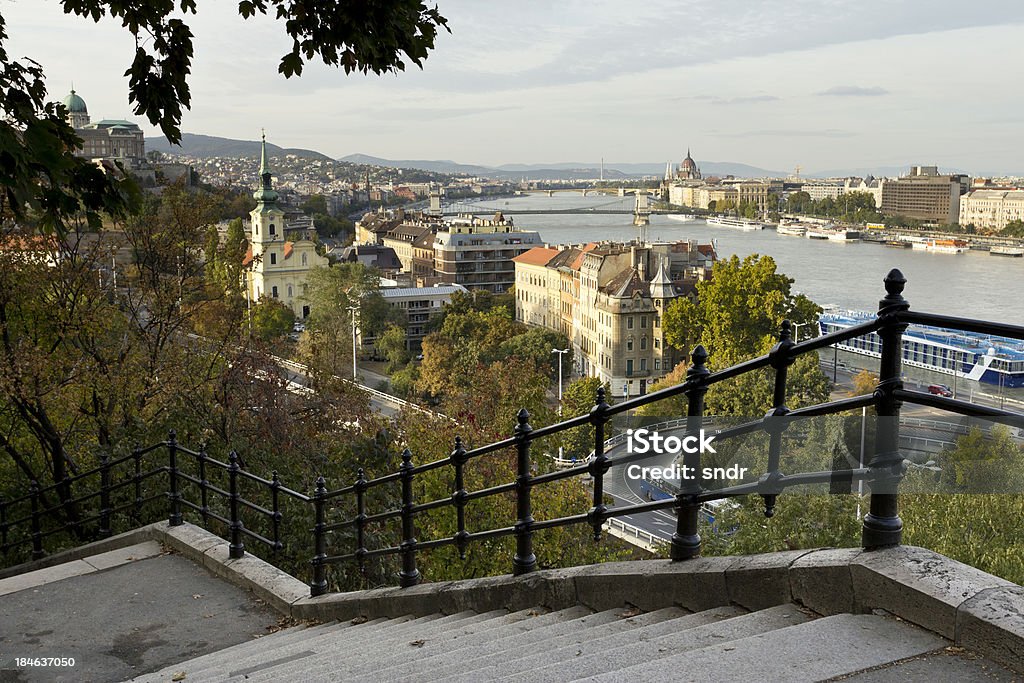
{"points": [[120, 614]]}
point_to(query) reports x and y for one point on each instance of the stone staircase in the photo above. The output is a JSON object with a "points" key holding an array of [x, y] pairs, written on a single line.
{"points": [[784, 642]]}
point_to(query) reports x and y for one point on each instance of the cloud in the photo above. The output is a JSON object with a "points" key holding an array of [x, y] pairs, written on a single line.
{"points": [[793, 133], [854, 91]]}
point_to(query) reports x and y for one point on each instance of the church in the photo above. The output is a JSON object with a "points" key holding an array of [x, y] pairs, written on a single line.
{"points": [[279, 257]]}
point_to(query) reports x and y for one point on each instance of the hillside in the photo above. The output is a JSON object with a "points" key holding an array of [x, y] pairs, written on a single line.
{"points": [[194, 144]]}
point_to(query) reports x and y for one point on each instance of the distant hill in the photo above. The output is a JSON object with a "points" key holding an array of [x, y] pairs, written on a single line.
{"points": [[437, 166], [876, 171], [561, 170], [197, 145]]}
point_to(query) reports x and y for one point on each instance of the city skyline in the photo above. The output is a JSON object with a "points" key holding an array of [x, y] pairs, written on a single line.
{"points": [[775, 85]]}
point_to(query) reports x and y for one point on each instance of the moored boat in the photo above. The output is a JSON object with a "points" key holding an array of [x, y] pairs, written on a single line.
{"points": [[979, 357], [730, 222], [1013, 252]]}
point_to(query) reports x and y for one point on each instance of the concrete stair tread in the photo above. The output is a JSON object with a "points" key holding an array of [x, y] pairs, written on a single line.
{"points": [[824, 648], [359, 636], [569, 649], [626, 621], [414, 645], [256, 647], [459, 657]]}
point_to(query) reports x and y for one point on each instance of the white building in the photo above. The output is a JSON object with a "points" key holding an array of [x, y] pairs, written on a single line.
{"points": [[280, 258]]}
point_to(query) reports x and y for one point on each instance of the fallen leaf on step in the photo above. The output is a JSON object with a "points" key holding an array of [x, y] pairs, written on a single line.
{"points": [[729, 649], [359, 620], [196, 596], [631, 612], [418, 643], [178, 676]]}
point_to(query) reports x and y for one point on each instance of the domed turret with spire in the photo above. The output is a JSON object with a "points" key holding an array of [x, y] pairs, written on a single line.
{"points": [[78, 113]]}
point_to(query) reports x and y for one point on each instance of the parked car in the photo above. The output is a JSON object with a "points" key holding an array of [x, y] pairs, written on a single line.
{"points": [[941, 390]]}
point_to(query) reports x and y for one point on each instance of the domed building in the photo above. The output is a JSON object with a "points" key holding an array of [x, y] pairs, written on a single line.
{"points": [[688, 169], [106, 139]]}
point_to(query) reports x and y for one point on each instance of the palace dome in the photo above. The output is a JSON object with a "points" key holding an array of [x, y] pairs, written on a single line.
{"points": [[75, 104]]}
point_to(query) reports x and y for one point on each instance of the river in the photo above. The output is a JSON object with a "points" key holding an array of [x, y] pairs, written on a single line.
{"points": [[848, 275]]}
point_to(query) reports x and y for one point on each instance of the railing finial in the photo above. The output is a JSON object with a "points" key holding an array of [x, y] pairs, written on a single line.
{"points": [[894, 283], [699, 357], [786, 331]]}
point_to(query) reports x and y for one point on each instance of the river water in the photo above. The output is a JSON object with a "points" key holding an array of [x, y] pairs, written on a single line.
{"points": [[848, 275]]}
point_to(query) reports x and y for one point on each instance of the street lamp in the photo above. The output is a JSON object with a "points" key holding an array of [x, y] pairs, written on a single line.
{"points": [[352, 313], [560, 352]]}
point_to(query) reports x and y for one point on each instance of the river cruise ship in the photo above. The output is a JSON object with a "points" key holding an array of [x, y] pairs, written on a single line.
{"points": [[739, 223], [979, 357]]}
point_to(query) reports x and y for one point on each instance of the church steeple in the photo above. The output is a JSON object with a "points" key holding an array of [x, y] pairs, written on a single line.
{"points": [[266, 194]]}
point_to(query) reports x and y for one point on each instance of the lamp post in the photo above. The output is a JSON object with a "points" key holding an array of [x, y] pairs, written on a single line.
{"points": [[796, 331], [352, 313], [560, 352]]}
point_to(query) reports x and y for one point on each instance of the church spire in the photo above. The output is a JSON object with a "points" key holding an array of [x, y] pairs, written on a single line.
{"points": [[265, 194]]}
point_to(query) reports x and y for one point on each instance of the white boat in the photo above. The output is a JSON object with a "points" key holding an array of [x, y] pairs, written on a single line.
{"points": [[739, 223], [793, 228], [943, 246], [1013, 252], [681, 217], [971, 355], [844, 235]]}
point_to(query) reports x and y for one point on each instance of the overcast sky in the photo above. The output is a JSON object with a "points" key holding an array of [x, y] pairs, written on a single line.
{"points": [[820, 83]]}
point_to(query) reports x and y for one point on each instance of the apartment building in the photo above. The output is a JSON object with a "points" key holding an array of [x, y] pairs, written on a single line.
{"points": [[991, 210], [477, 253], [609, 299]]}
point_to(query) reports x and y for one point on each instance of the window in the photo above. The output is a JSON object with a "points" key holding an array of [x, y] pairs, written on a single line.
{"points": [[273, 230], [643, 364], [657, 364], [273, 258], [273, 292], [629, 367], [290, 291], [643, 322], [643, 343], [629, 323], [305, 259], [629, 345]]}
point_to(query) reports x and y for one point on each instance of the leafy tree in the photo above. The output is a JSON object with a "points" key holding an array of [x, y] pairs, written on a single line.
{"points": [[391, 344], [864, 382], [1014, 228], [271, 319], [738, 312]]}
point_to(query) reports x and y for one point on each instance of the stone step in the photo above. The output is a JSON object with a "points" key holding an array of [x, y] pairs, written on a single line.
{"points": [[456, 657], [626, 632], [355, 638], [593, 658], [818, 650], [338, 660], [255, 648]]}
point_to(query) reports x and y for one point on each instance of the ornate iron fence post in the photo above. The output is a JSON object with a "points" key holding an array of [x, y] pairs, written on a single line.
{"points": [[236, 548], [137, 480], [458, 459], [203, 484], [882, 525], [360, 487], [599, 465], [275, 508], [175, 518], [686, 539], [3, 525], [37, 531], [524, 561], [410, 575], [105, 531], [318, 586], [780, 362]]}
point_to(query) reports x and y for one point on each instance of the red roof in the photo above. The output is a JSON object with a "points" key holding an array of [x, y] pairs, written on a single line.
{"points": [[538, 256]]}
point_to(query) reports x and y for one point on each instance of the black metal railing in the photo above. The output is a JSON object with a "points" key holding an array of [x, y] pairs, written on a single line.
{"points": [[230, 508]]}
